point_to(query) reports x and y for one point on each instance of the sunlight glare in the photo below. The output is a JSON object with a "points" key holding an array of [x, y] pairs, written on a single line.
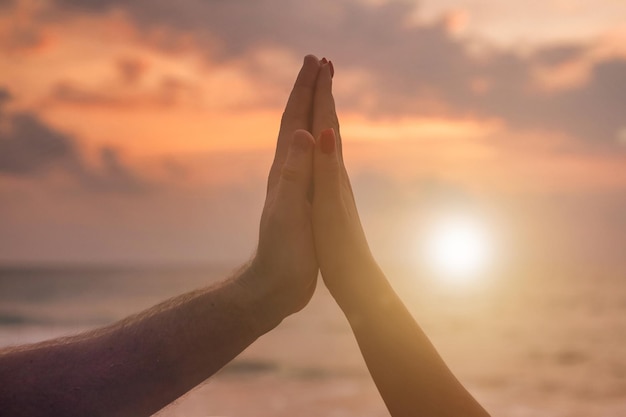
{"points": [[459, 248]]}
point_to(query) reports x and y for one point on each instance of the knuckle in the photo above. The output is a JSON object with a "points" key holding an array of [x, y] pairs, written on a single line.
{"points": [[273, 176], [274, 169], [290, 173]]}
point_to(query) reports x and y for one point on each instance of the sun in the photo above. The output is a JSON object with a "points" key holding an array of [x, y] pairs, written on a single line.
{"points": [[458, 248]]}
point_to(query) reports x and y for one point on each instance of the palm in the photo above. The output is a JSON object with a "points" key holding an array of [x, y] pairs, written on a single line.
{"points": [[286, 252]]}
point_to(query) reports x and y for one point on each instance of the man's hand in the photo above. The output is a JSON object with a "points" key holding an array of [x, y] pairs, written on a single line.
{"points": [[140, 364], [285, 267]]}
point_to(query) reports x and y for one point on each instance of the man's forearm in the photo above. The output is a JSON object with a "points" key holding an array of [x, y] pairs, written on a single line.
{"points": [[409, 373], [137, 366]]}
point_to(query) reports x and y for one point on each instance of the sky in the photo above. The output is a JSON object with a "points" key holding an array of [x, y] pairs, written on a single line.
{"points": [[143, 131]]}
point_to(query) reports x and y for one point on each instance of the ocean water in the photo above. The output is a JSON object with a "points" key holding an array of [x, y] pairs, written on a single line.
{"points": [[37, 301], [525, 344]]}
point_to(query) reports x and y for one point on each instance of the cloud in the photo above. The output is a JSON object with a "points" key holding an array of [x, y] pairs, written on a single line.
{"points": [[5, 96], [558, 54], [17, 36], [416, 68], [30, 148], [115, 176], [596, 110], [592, 111], [131, 69], [168, 91]]}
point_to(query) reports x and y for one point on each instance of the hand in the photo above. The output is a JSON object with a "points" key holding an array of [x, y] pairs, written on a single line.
{"points": [[409, 374], [285, 267], [341, 246]]}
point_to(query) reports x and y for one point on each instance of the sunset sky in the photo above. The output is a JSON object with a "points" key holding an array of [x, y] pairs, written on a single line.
{"points": [[142, 131]]}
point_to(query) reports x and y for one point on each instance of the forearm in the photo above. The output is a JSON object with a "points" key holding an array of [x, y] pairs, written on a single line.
{"points": [[409, 373], [139, 365]]}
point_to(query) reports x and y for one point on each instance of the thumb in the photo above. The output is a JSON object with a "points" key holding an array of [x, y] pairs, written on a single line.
{"points": [[296, 173]]}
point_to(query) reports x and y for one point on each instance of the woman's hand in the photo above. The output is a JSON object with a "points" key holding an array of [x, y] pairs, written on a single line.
{"points": [[342, 250], [410, 375]]}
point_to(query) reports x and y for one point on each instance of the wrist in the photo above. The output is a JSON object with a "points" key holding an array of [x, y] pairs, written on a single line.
{"points": [[264, 305], [363, 290]]}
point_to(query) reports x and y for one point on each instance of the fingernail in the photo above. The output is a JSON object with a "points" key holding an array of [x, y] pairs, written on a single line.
{"points": [[324, 61], [332, 69], [300, 141], [327, 141]]}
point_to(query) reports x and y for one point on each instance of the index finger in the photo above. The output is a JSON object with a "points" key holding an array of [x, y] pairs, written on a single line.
{"points": [[297, 114], [324, 112]]}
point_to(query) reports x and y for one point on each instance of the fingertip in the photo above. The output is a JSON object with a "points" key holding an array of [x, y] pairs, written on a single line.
{"points": [[310, 59], [307, 77], [328, 70], [328, 141], [302, 140], [326, 165]]}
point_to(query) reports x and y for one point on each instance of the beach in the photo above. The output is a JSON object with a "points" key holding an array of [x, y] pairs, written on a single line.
{"points": [[524, 346]]}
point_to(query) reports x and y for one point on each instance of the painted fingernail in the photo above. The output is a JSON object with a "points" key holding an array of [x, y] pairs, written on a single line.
{"points": [[324, 61], [332, 69], [327, 141]]}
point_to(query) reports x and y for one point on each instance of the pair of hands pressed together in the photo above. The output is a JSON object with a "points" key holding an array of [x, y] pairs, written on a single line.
{"points": [[298, 233], [310, 220]]}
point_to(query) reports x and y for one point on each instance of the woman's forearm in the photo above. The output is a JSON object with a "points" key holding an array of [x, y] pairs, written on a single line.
{"points": [[409, 373]]}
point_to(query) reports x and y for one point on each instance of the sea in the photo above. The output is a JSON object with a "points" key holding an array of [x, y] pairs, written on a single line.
{"points": [[540, 344]]}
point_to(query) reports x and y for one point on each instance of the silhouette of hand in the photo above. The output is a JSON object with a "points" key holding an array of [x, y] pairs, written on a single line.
{"points": [[340, 243], [285, 267]]}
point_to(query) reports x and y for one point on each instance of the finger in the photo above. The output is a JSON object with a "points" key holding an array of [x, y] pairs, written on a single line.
{"points": [[324, 112], [327, 170], [297, 114], [297, 171]]}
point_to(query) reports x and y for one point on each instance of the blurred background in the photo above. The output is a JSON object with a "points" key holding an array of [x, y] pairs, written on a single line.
{"points": [[136, 136]]}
